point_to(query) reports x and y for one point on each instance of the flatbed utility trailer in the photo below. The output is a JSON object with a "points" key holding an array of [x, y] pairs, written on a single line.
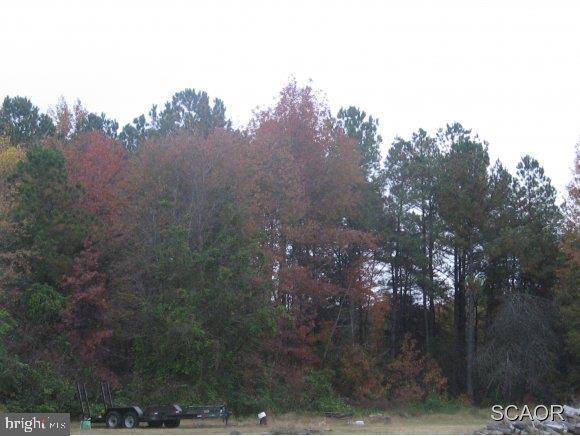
{"points": [[126, 416], [155, 416]]}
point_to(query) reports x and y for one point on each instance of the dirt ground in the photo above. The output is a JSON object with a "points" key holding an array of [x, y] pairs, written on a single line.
{"points": [[464, 422]]}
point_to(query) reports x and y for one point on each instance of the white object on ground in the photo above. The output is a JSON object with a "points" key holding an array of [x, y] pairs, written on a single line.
{"points": [[359, 423]]}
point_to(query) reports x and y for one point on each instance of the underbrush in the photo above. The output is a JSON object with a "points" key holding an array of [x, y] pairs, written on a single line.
{"points": [[436, 405]]}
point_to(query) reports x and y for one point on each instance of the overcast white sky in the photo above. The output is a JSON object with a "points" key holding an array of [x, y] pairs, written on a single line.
{"points": [[509, 70]]}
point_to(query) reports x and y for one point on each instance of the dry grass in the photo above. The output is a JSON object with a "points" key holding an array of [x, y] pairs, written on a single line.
{"points": [[463, 422]]}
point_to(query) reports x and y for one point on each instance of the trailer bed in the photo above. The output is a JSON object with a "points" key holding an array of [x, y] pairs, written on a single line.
{"points": [[207, 412]]}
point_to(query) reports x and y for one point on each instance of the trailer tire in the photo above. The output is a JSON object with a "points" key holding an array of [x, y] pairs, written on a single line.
{"points": [[155, 424], [130, 420], [171, 423], [113, 419]]}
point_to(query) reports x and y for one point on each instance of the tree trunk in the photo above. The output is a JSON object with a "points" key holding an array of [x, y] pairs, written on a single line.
{"points": [[470, 342], [424, 281], [431, 288], [394, 319], [471, 295], [459, 321]]}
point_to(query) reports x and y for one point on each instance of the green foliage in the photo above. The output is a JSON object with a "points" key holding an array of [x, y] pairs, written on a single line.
{"points": [[210, 315], [31, 386], [188, 110], [22, 122], [10, 365], [46, 212], [319, 394], [45, 233], [43, 303], [433, 403], [6, 322], [364, 130], [463, 183], [41, 388], [92, 122], [537, 236]]}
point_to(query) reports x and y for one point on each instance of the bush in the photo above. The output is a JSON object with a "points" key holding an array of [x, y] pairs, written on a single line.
{"points": [[441, 404], [43, 303], [319, 393], [359, 376], [413, 376], [42, 389]]}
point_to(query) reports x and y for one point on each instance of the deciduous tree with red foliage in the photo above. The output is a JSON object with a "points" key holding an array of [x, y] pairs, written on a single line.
{"points": [[100, 165], [301, 183], [86, 314]]}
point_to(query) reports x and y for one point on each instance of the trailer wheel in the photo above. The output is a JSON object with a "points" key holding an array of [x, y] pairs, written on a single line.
{"points": [[171, 423], [113, 419], [130, 420]]}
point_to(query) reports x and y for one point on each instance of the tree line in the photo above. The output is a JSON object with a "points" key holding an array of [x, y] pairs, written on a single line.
{"points": [[285, 264]]}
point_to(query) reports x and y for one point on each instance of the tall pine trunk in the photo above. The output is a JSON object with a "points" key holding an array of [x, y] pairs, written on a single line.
{"points": [[424, 281], [394, 318], [471, 326], [459, 321], [431, 288], [471, 295]]}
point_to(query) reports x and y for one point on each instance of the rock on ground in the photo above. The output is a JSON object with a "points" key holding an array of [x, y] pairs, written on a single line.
{"points": [[570, 425]]}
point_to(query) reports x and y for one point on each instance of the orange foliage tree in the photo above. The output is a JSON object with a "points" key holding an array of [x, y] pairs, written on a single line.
{"points": [[101, 166], [300, 180]]}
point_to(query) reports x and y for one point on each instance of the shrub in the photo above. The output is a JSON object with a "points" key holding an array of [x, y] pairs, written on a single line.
{"points": [[413, 376], [319, 394], [41, 388], [359, 376], [43, 303]]}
